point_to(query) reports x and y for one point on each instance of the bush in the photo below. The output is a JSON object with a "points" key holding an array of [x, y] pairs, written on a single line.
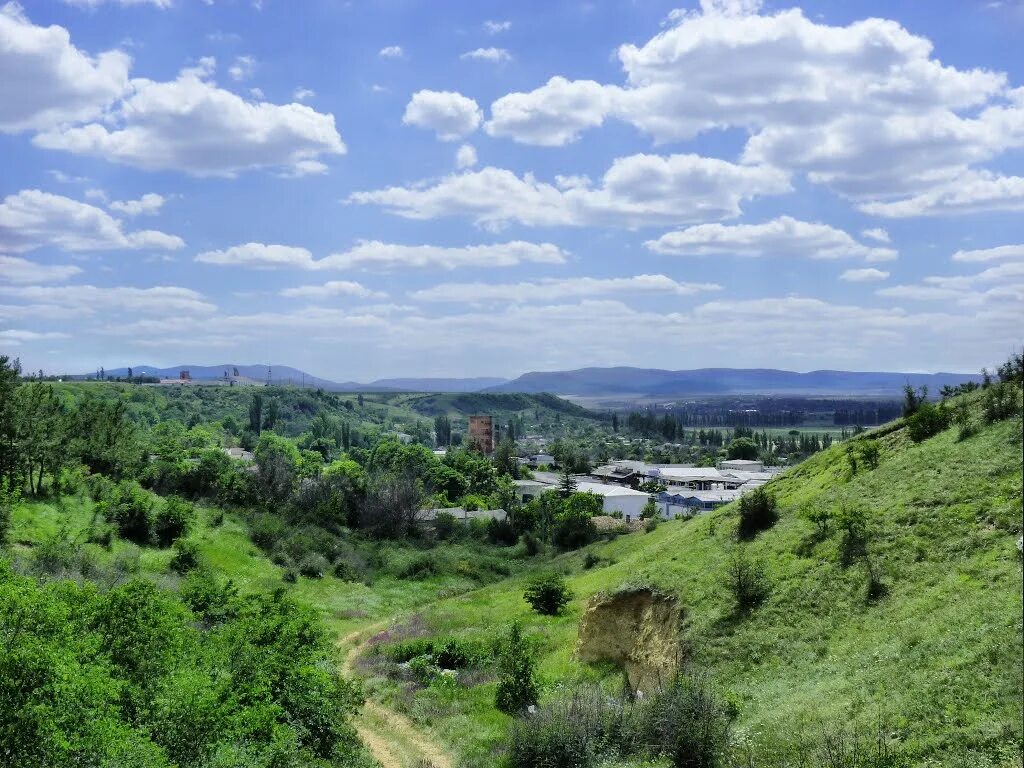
{"points": [[747, 581], [172, 521], [758, 512], [651, 524], [186, 556], [314, 566], [566, 732], [446, 527], [501, 532], [685, 723], [590, 560], [266, 530], [927, 421], [130, 508], [531, 544], [517, 684], [548, 594]]}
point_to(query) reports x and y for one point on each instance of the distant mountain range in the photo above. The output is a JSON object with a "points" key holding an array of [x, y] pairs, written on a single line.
{"points": [[640, 382], [596, 382]]}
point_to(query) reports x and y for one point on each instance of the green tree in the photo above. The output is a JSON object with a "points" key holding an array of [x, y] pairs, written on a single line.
{"points": [[256, 413], [517, 683], [742, 448], [567, 484], [548, 593]]}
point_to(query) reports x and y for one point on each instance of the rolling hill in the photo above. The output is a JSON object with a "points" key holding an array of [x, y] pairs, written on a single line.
{"points": [[639, 382]]}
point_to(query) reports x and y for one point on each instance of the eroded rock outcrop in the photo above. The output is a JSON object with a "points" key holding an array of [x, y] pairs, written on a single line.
{"points": [[638, 628]]}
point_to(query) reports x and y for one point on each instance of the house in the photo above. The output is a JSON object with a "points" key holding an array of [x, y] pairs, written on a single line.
{"points": [[616, 498], [530, 489], [239, 453], [687, 502], [616, 473], [540, 459], [744, 465], [695, 478]]}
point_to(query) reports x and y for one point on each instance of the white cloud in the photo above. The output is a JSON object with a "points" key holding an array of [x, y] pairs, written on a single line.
{"points": [[974, 191], [15, 269], [384, 257], [47, 80], [864, 108], [494, 55], [450, 115], [260, 256], [90, 299], [496, 27], [391, 52], [303, 94], [242, 68], [149, 203], [465, 156], [991, 254], [162, 4], [14, 337], [1002, 284], [636, 191], [65, 178], [257, 93], [331, 289], [784, 236], [863, 275], [377, 256], [190, 124], [555, 289], [33, 219], [877, 234]]}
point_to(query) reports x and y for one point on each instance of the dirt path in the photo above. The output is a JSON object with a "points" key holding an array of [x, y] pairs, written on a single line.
{"points": [[393, 738]]}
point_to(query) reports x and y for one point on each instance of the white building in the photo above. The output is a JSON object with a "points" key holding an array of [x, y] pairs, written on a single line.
{"points": [[616, 498], [744, 465]]}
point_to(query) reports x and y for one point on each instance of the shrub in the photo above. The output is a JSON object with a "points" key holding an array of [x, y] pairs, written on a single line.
{"points": [[853, 521], [501, 532], [446, 527], [747, 581], [651, 524], [531, 544], [590, 560], [927, 421], [172, 521], [758, 512], [314, 566], [131, 509], [1001, 401], [685, 723], [547, 594], [8, 500], [650, 510], [186, 556], [566, 732], [266, 530], [517, 684], [870, 453]]}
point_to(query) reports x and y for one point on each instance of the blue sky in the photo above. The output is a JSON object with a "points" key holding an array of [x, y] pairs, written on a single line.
{"points": [[371, 189]]}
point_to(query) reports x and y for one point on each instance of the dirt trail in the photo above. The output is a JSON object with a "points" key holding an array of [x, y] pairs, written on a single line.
{"points": [[394, 739]]}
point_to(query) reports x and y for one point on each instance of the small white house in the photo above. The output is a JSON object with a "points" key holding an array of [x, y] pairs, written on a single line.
{"points": [[530, 489], [617, 498]]}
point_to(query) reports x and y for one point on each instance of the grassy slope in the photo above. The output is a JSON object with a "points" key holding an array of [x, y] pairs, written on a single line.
{"points": [[939, 657]]}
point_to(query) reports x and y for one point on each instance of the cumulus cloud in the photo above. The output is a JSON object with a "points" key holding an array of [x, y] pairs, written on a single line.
{"points": [[47, 80], [15, 336], [1002, 284], [15, 269], [864, 108], [877, 234], [391, 52], [90, 299], [636, 191], [496, 27], [303, 94], [991, 254], [243, 67], [260, 256], [555, 289], [869, 274], [193, 125], [376, 256], [331, 289], [974, 191], [450, 115], [494, 55], [465, 156], [784, 236], [149, 203], [33, 219]]}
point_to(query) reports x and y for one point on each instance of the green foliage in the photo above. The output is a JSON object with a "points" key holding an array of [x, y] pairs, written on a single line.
{"points": [[130, 508], [573, 526], [547, 593], [517, 683], [927, 421], [651, 524], [173, 520], [747, 581], [758, 512], [186, 556], [8, 499], [742, 448]]}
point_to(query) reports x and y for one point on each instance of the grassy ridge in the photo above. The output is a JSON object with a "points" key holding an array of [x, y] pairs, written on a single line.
{"points": [[937, 659]]}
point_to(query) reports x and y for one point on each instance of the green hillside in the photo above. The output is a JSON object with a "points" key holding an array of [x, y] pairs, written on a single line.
{"points": [[931, 659]]}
